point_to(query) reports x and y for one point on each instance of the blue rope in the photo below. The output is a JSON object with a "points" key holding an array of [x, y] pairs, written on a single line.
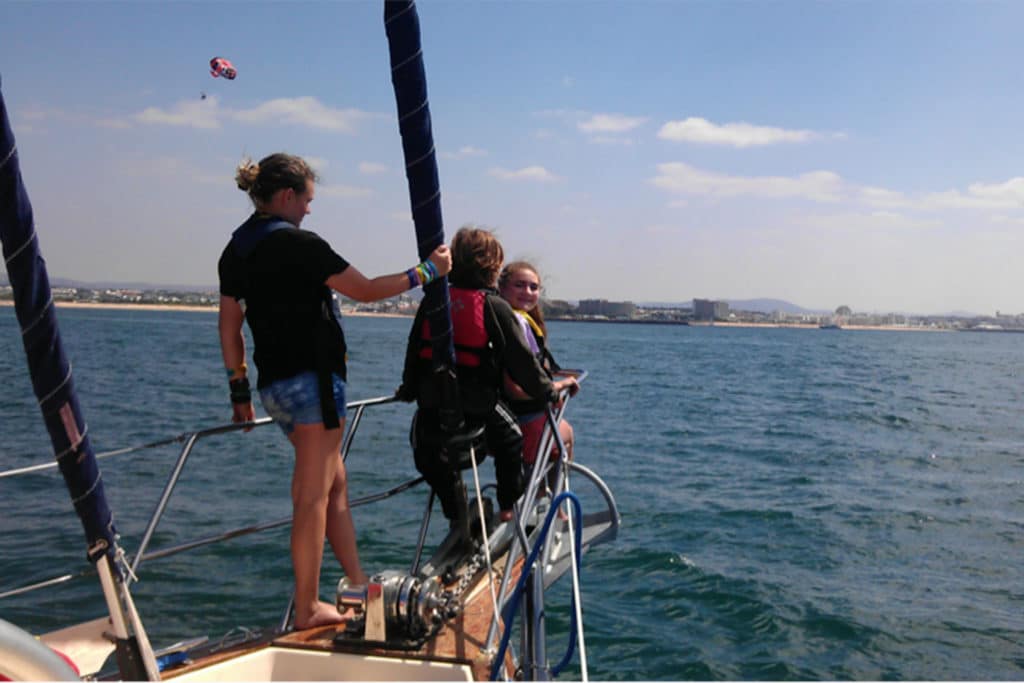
{"points": [[513, 604]]}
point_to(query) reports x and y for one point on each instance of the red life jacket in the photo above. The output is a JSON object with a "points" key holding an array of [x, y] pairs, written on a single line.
{"points": [[469, 331]]}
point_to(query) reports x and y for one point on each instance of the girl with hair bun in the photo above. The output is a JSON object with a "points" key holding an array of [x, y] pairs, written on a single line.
{"points": [[280, 279]]}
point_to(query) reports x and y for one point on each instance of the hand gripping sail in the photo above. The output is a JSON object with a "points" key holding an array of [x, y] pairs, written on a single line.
{"points": [[402, 25]]}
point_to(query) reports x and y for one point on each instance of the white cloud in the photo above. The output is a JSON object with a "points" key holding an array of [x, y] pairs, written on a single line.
{"points": [[610, 123], [465, 152], [318, 164], [343, 191], [533, 173], [881, 197], [203, 114], [702, 131], [208, 114], [371, 168], [855, 221], [173, 167], [567, 115], [680, 178], [607, 140], [1007, 220], [1005, 195], [302, 111], [1011, 191], [117, 124], [661, 229]]}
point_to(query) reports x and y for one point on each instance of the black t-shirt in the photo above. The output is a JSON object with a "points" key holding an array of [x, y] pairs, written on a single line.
{"points": [[289, 309]]}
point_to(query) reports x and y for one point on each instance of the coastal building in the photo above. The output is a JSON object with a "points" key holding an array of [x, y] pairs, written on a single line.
{"points": [[706, 309], [608, 309]]}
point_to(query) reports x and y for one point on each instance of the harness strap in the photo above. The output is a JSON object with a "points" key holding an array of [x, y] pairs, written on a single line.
{"points": [[324, 366], [246, 237]]}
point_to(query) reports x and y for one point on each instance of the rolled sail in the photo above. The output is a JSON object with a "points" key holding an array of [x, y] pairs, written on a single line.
{"points": [[409, 79], [48, 366]]}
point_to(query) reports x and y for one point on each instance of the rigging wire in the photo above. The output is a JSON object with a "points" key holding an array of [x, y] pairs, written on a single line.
{"points": [[483, 528]]}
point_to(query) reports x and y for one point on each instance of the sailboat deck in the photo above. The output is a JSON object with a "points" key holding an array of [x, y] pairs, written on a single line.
{"points": [[459, 643]]}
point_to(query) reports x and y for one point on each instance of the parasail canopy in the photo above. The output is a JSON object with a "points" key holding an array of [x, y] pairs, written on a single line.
{"points": [[223, 68]]}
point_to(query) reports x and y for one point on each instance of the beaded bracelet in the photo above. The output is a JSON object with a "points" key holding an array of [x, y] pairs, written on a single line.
{"points": [[422, 273]]}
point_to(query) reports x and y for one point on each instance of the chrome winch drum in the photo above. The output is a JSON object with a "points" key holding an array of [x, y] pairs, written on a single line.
{"points": [[413, 607]]}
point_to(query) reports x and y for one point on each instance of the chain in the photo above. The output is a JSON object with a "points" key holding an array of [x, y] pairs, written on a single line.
{"points": [[467, 573]]}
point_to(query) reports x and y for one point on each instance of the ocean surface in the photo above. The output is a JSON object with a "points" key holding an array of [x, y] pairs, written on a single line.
{"points": [[796, 504]]}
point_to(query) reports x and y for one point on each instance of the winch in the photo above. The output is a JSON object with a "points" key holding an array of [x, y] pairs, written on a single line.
{"points": [[394, 607]]}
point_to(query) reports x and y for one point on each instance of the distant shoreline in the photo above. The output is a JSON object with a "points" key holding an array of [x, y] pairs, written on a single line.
{"points": [[368, 314], [780, 326], [181, 307]]}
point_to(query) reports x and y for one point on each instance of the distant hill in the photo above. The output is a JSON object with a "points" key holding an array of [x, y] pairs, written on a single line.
{"points": [[770, 305]]}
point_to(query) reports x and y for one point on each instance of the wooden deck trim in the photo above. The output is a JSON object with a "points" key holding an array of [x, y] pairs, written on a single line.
{"points": [[458, 641]]}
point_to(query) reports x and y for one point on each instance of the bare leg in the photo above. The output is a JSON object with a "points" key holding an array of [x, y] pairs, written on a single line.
{"points": [[341, 530], [316, 466], [567, 434]]}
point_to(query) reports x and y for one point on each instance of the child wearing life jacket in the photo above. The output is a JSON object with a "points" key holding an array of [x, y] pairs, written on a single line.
{"points": [[488, 343], [519, 284]]}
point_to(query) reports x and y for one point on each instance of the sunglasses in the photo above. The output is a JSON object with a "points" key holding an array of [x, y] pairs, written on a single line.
{"points": [[532, 286]]}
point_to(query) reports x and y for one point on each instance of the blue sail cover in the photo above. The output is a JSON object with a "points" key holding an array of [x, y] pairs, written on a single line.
{"points": [[409, 79], [48, 366]]}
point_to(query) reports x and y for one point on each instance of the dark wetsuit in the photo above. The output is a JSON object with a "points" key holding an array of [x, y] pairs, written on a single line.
{"points": [[480, 393], [280, 279]]}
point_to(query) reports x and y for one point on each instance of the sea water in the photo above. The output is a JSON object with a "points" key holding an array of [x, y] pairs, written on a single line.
{"points": [[796, 504]]}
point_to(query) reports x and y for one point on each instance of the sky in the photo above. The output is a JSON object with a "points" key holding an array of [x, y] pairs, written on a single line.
{"points": [[867, 154]]}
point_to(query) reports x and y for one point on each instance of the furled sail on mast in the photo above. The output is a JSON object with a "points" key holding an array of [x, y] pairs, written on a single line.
{"points": [[54, 386], [50, 370], [409, 79]]}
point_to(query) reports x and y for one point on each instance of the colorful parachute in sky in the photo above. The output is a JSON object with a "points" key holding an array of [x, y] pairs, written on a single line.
{"points": [[223, 68]]}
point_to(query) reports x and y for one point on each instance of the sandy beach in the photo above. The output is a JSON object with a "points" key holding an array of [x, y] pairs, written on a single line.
{"points": [[353, 313]]}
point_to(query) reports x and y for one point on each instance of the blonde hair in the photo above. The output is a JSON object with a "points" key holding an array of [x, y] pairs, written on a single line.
{"points": [[278, 171], [477, 256], [504, 279]]}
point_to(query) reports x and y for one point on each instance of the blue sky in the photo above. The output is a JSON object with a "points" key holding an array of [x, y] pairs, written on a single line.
{"points": [[859, 153]]}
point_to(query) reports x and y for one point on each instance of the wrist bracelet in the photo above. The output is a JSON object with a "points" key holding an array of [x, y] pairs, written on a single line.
{"points": [[240, 391], [422, 274], [240, 371]]}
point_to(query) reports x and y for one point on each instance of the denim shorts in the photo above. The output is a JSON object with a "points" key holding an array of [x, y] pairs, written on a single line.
{"points": [[296, 400]]}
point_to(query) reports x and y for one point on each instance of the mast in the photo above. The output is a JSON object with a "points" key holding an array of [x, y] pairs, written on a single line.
{"points": [[54, 387], [408, 76]]}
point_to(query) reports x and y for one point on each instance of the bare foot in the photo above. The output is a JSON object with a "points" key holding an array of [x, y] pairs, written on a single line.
{"points": [[323, 614], [505, 515]]}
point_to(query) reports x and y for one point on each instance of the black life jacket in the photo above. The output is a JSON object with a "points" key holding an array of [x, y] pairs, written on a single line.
{"points": [[328, 337], [250, 233]]}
